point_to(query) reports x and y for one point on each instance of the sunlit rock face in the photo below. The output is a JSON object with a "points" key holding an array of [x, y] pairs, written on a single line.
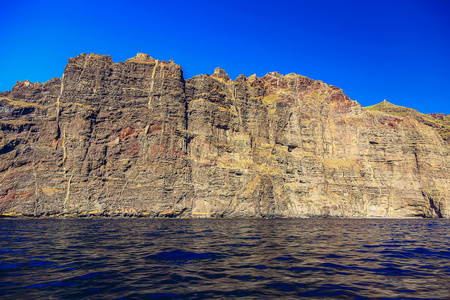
{"points": [[136, 139]]}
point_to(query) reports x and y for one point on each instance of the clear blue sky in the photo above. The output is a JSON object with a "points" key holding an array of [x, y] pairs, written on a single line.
{"points": [[373, 50]]}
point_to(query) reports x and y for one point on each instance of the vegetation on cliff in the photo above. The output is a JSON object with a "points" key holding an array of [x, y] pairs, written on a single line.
{"points": [[439, 121]]}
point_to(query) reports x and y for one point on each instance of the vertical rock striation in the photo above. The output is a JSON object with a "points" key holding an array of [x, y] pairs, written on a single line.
{"points": [[135, 139]]}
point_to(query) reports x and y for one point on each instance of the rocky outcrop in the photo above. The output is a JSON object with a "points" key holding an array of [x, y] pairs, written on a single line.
{"points": [[440, 121], [136, 139]]}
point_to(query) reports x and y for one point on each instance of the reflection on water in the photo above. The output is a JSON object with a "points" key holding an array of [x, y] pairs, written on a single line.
{"points": [[253, 259]]}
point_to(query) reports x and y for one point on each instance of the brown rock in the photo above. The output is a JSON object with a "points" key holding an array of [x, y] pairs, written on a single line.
{"points": [[135, 139], [221, 75]]}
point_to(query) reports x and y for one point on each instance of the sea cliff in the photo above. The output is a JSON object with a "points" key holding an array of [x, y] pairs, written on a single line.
{"points": [[136, 139]]}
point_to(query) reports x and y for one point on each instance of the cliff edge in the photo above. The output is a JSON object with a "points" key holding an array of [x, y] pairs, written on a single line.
{"points": [[136, 139]]}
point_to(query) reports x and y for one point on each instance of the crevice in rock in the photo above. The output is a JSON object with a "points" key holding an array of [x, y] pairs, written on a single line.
{"points": [[22, 111], [417, 162], [435, 206], [9, 147]]}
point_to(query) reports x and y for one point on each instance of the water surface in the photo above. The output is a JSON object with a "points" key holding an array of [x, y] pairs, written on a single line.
{"points": [[250, 259]]}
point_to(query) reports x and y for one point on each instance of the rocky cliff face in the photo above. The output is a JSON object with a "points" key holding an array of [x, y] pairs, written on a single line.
{"points": [[136, 139], [440, 122]]}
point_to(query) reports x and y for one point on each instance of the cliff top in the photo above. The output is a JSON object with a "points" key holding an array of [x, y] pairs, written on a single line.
{"points": [[273, 81], [439, 121]]}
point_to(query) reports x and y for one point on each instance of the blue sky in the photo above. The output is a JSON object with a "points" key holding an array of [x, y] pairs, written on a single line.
{"points": [[373, 50]]}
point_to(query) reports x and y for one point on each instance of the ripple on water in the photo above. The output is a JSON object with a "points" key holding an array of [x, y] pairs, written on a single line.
{"points": [[180, 256], [199, 259]]}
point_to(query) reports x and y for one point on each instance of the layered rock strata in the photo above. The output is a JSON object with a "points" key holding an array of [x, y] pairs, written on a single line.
{"points": [[136, 139]]}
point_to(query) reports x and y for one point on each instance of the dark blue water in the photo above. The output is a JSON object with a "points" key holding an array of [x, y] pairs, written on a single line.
{"points": [[252, 259]]}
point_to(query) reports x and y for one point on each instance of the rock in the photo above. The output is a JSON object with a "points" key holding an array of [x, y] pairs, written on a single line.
{"points": [[141, 57], [440, 122], [221, 75], [241, 78], [135, 139]]}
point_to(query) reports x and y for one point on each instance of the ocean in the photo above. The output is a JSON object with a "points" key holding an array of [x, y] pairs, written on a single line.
{"points": [[225, 258]]}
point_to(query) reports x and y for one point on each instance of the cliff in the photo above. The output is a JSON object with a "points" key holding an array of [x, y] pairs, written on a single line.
{"points": [[136, 139]]}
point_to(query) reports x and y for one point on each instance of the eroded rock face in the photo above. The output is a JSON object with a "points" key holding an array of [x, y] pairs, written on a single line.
{"points": [[135, 139]]}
